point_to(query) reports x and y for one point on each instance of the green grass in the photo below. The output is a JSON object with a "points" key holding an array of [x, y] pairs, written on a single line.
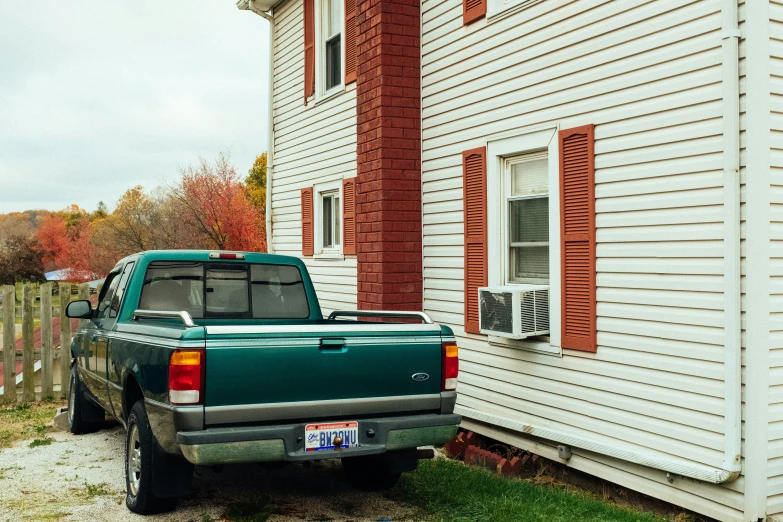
{"points": [[449, 491], [96, 490]]}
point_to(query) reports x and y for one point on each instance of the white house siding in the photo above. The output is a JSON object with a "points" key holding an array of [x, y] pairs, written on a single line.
{"points": [[313, 144], [775, 412], [648, 75]]}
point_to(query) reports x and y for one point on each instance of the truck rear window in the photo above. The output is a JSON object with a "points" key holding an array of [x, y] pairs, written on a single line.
{"points": [[225, 290]]}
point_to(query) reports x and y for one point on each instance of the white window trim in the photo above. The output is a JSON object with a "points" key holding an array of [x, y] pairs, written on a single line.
{"points": [[497, 271], [321, 94], [497, 9], [318, 190]]}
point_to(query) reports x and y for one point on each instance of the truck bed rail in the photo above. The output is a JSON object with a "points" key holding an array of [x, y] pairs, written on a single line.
{"points": [[380, 313], [187, 320]]}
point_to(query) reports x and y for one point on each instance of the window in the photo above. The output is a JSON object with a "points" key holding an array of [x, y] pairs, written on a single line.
{"points": [[117, 299], [527, 216], [225, 290], [330, 219], [330, 43], [523, 222], [105, 298]]}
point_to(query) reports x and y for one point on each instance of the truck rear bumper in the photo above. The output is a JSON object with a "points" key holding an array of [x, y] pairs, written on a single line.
{"points": [[286, 442]]}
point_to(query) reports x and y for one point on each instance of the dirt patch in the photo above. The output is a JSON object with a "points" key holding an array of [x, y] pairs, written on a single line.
{"points": [[77, 478], [30, 421]]}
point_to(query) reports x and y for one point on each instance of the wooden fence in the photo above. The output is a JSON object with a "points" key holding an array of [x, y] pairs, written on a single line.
{"points": [[50, 375]]}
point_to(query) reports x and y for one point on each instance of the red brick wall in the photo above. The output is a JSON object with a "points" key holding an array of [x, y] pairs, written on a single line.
{"points": [[388, 189]]}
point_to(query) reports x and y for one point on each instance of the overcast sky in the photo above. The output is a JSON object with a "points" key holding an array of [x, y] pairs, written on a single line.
{"points": [[98, 96]]}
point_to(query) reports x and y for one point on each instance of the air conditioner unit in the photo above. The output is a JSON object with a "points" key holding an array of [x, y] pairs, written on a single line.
{"points": [[514, 311]]}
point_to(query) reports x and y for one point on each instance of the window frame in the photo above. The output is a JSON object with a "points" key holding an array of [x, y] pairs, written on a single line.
{"points": [[499, 150], [319, 251], [321, 92]]}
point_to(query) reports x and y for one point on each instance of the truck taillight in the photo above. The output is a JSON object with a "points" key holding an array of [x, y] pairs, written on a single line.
{"points": [[185, 377], [450, 366]]}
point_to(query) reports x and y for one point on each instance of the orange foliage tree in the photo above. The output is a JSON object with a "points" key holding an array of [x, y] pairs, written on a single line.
{"points": [[52, 235], [217, 205]]}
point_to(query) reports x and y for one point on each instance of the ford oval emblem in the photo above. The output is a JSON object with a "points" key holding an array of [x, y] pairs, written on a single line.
{"points": [[418, 377]]}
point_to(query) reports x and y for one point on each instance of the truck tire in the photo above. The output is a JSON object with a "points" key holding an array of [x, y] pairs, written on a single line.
{"points": [[141, 467], [369, 473], [81, 411]]}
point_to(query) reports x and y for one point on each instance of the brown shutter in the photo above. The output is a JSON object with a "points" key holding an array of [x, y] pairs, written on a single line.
{"points": [[349, 216], [309, 48], [474, 183], [473, 10], [351, 47], [577, 232], [307, 222]]}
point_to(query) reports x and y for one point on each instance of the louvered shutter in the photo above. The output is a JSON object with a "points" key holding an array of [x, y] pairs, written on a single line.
{"points": [[307, 221], [473, 10], [577, 217], [351, 47], [349, 216], [309, 48], [474, 183]]}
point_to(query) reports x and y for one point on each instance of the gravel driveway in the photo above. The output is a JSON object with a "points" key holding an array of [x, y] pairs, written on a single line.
{"points": [[82, 478]]}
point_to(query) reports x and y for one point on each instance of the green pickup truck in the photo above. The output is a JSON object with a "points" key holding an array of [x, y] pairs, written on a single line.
{"points": [[210, 358]]}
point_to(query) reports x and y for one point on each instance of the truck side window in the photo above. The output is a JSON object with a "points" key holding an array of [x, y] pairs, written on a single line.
{"points": [[117, 299], [105, 297]]}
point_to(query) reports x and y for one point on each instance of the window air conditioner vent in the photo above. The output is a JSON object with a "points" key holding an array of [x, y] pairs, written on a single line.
{"points": [[514, 311]]}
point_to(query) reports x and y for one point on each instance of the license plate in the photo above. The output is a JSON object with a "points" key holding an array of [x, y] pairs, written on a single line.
{"points": [[320, 437]]}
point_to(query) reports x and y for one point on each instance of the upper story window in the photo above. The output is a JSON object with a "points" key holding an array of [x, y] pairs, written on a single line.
{"points": [[329, 36], [527, 216]]}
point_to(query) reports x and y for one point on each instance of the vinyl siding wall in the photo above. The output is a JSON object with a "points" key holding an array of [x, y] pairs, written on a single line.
{"points": [[648, 75], [775, 412], [313, 144]]}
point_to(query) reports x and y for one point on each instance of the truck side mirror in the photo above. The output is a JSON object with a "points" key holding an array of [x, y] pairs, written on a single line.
{"points": [[79, 309]]}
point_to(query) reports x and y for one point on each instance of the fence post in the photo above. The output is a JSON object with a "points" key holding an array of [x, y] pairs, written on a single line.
{"points": [[65, 339], [28, 357], [84, 293], [47, 379], [9, 344]]}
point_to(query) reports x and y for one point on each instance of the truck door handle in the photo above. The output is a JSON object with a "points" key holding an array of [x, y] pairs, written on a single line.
{"points": [[332, 344]]}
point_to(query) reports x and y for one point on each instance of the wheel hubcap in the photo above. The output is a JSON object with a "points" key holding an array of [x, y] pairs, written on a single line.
{"points": [[134, 460]]}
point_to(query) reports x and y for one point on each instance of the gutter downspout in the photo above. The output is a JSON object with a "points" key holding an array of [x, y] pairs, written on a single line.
{"points": [[250, 5], [730, 36]]}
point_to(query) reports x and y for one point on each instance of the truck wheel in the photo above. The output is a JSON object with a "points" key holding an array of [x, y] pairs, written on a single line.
{"points": [[140, 467], [369, 474], [80, 408]]}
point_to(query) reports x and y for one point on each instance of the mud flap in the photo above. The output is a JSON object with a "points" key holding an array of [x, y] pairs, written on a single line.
{"points": [[172, 475]]}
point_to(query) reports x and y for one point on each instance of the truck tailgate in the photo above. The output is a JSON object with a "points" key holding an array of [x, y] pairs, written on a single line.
{"points": [[313, 371]]}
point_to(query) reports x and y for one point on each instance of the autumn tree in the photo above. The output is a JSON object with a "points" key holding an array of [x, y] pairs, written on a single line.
{"points": [[217, 206], [20, 260], [16, 224], [256, 183], [52, 235]]}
